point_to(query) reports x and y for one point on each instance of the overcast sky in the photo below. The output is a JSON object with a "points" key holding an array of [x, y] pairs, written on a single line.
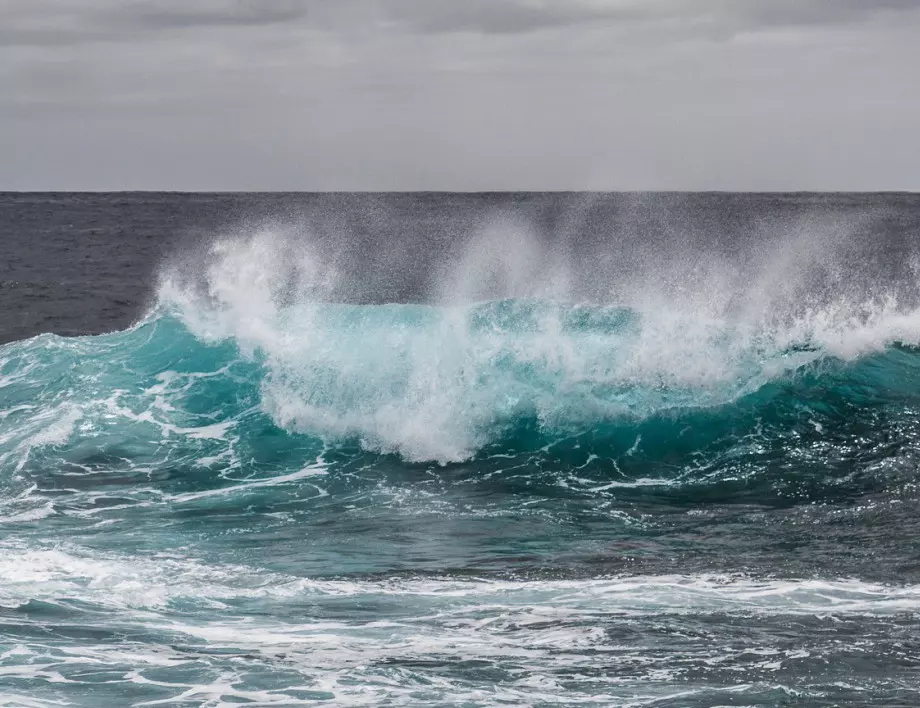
{"points": [[460, 94]]}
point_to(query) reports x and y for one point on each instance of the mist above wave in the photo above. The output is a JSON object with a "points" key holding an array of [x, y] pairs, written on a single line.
{"points": [[513, 325]]}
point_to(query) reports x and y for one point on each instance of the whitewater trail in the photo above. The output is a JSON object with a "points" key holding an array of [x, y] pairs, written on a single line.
{"points": [[691, 493]]}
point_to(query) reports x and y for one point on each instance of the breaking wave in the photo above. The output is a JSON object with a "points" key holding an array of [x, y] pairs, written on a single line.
{"points": [[249, 341]]}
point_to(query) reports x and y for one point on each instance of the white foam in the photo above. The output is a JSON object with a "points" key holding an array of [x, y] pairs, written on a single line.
{"points": [[435, 385], [309, 471], [543, 629], [18, 700], [33, 513], [60, 429], [120, 580]]}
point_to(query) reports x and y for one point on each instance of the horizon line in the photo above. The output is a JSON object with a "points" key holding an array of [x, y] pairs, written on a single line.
{"points": [[461, 191]]}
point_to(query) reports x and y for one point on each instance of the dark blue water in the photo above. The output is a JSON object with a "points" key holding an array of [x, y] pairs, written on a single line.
{"points": [[630, 450]]}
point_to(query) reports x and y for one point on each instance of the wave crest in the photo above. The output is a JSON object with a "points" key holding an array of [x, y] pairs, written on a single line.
{"points": [[441, 382]]}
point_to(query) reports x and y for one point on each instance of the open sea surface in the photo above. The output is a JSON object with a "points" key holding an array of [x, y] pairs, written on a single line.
{"points": [[467, 450]]}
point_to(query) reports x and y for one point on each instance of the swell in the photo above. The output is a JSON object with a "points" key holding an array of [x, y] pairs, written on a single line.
{"points": [[559, 388]]}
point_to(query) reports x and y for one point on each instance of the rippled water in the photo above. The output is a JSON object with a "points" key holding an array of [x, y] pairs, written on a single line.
{"points": [[678, 477]]}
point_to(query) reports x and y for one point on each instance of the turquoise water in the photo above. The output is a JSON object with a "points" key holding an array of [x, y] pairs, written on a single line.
{"points": [[268, 500]]}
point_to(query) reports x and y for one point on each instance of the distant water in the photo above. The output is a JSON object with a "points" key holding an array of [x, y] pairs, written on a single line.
{"points": [[474, 450]]}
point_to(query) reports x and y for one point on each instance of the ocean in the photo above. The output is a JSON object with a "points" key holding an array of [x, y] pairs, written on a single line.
{"points": [[459, 449]]}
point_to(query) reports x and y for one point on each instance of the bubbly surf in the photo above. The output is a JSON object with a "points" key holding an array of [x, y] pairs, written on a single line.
{"points": [[263, 493]]}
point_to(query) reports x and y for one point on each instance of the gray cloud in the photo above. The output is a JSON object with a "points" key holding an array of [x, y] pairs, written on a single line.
{"points": [[811, 12], [153, 15], [67, 22], [491, 17], [513, 16], [55, 22], [403, 94]]}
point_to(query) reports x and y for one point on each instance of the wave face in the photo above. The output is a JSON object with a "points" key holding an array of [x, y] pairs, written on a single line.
{"points": [[445, 385], [264, 493]]}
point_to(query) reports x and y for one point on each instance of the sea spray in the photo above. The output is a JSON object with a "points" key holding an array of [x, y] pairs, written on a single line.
{"points": [[654, 463]]}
